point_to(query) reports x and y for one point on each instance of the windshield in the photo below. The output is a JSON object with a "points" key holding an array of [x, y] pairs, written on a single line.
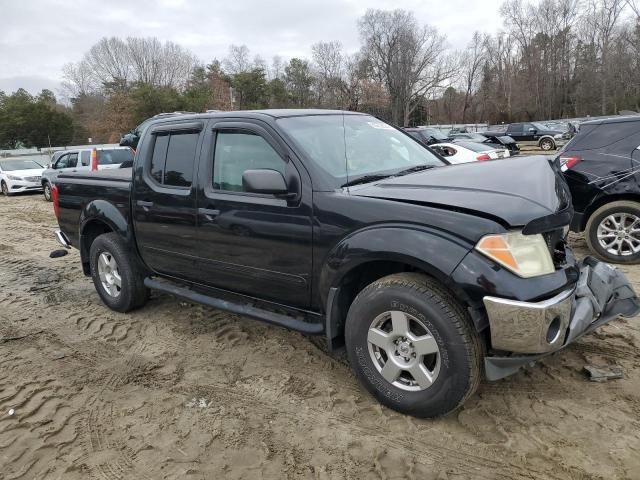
{"points": [[11, 165], [351, 146], [435, 133], [115, 157], [540, 126]]}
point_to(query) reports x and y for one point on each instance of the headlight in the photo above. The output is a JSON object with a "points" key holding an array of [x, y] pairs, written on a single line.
{"points": [[525, 255], [13, 177]]}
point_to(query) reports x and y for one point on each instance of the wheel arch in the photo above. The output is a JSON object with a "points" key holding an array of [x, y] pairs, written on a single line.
{"points": [[547, 137], [99, 217], [602, 200], [353, 264]]}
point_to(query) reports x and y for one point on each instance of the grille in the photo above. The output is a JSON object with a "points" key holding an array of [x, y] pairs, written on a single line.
{"points": [[556, 244], [32, 179]]}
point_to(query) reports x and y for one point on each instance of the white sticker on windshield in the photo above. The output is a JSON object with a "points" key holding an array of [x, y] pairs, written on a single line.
{"points": [[380, 125]]}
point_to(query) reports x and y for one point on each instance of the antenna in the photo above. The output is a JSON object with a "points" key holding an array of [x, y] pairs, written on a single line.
{"points": [[344, 138]]}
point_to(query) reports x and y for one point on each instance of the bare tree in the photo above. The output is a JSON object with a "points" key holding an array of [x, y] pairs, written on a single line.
{"points": [[328, 64], [78, 80], [472, 62], [238, 60], [603, 17], [407, 57]]}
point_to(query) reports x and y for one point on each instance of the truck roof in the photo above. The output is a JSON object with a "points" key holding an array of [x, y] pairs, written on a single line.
{"points": [[273, 113], [617, 119]]}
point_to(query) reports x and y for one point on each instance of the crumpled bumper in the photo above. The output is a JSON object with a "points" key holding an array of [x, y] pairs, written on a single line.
{"points": [[536, 329]]}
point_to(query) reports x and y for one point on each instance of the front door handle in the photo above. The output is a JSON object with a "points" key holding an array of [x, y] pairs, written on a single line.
{"points": [[209, 213], [143, 203]]}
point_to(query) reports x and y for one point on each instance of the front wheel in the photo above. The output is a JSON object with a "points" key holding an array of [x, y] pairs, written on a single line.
{"points": [[613, 232], [547, 144], [115, 275], [412, 345], [5, 189], [46, 190]]}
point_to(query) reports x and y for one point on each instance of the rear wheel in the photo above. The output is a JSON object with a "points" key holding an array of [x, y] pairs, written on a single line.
{"points": [[116, 277], [46, 190], [547, 144], [613, 232], [411, 344]]}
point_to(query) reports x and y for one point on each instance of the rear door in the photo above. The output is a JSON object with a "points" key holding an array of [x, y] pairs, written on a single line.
{"points": [[164, 199], [256, 244]]}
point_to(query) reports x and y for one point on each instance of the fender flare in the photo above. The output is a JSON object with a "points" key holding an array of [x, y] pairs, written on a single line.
{"points": [[435, 252], [101, 211]]}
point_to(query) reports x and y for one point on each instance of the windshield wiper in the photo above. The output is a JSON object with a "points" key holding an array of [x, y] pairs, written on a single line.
{"points": [[417, 168], [365, 179]]}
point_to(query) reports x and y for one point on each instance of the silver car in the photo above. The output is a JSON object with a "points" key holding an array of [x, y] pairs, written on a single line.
{"points": [[77, 160]]}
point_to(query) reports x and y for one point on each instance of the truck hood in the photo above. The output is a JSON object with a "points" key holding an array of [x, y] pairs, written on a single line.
{"points": [[514, 191]]}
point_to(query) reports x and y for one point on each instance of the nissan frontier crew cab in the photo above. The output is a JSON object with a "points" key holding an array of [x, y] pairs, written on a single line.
{"points": [[339, 225]]}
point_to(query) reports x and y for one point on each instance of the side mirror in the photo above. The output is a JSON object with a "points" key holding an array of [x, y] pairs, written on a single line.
{"points": [[264, 181], [533, 130]]}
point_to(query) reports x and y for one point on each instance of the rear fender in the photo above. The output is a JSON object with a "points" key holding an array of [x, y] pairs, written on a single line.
{"points": [[101, 212]]}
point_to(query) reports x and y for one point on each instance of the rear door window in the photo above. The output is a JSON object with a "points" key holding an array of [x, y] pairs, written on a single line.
{"points": [[173, 158], [85, 158], [592, 137]]}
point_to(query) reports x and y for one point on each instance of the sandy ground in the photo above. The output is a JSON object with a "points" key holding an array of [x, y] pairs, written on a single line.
{"points": [[182, 391]]}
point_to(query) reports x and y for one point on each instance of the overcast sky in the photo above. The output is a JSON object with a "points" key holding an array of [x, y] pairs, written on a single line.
{"points": [[38, 37]]}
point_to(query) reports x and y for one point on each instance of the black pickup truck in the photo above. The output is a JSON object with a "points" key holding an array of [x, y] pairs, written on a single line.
{"points": [[533, 134], [337, 224]]}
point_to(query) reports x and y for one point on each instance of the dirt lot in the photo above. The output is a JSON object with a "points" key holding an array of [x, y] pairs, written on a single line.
{"points": [[183, 391]]}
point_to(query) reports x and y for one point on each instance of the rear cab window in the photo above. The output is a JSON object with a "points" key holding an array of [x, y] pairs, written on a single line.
{"points": [[114, 156]]}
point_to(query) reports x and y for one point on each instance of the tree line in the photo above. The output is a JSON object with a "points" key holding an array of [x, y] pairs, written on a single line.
{"points": [[553, 59]]}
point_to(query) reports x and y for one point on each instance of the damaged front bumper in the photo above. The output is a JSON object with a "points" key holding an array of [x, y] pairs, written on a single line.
{"points": [[531, 330]]}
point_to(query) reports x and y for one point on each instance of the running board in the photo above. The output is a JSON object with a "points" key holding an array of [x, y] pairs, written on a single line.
{"points": [[241, 309]]}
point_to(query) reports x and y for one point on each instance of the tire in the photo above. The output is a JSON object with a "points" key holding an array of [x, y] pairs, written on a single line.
{"points": [[131, 293], [46, 191], [628, 238], [5, 189], [547, 144], [454, 369]]}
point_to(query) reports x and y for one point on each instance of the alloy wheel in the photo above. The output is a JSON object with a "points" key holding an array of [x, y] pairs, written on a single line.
{"points": [[404, 351], [109, 274], [619, 234]]}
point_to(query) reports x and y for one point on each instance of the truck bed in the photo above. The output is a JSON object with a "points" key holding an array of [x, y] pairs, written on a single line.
{"points": [[113, 174]]}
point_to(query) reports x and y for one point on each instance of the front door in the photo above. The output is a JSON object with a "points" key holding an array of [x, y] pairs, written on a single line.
{"points": [[256, 244], [164, 199]]}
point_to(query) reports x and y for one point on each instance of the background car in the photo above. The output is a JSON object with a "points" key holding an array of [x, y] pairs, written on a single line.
{"points": [[531, 133], [427, 135], [502, 141], [601, 165], [465, 152], [84, 159], [19, 175]]}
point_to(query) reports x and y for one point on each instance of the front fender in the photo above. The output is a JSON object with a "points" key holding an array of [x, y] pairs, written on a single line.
{"points": [[433, 251]]}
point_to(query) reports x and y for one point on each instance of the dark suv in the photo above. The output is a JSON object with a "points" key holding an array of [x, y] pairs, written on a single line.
{"points": [[602, 167]]}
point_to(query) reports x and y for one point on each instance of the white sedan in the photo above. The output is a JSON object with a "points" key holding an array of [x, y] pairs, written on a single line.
{"points": [[465, 152], [20, 175]]}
